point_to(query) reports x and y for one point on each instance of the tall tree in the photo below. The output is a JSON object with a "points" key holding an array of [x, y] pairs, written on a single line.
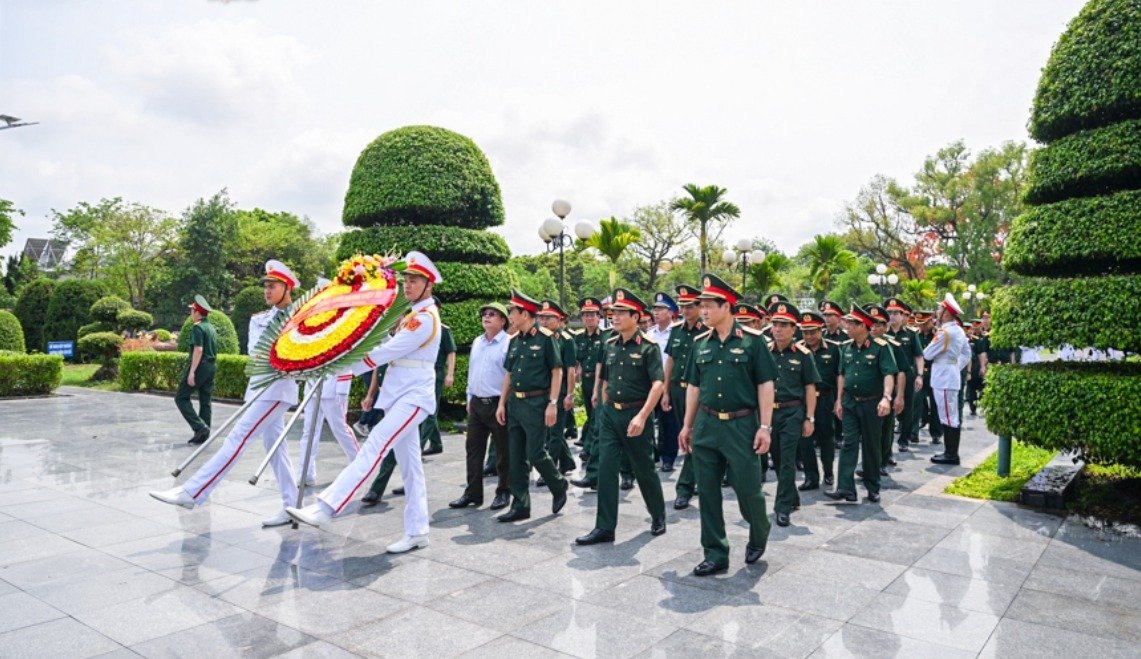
{"points": [[826, 256], [7, 225], [707, 214], [918, 293], [20, 270], [262, 235], [766, 275], [611, 240], [662, 234], [879, 229]]}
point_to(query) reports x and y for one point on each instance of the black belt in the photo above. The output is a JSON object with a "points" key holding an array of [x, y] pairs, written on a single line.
{"points": [[725, 416], [529, 394], [864, 399], [627, 405], [788, 404], [486, 400]]}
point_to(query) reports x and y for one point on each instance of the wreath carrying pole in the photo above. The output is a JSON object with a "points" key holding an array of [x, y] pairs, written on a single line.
{"points": [[214, 435], [281, 438], [313, 426]]}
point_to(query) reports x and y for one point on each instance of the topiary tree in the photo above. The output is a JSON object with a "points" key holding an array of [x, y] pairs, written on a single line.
{"points": [[1079, 241], [91, 328], [106, 309], [432, 190], [11, 334], [134, 320], [32, 310], [227, 337], [249, 300], [106, 346], [70, 308]]}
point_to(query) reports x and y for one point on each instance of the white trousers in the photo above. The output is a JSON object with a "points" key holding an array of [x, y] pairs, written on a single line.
{"points": [[398, 431], [265, 418], [332, 412], [947, 402]]}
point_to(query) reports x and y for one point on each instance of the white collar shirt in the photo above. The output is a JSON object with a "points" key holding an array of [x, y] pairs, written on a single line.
{"points": [[485, 366]]}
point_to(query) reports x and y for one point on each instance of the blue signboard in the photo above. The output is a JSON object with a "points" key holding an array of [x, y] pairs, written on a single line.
{"points": [[65, 348]]}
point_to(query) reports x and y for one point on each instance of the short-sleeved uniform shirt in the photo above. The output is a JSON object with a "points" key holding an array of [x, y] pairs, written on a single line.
{"points": [[864, 366], [827, 358], [728, 372], [447, 347], [530, 359], [796, 369], [909, 348], [203, 334], [568, 354], [679, 346], [589, 349], [631, 367]]}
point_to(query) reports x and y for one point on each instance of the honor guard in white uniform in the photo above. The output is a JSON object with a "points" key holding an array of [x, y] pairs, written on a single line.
{"points": [[264, 417], [949, 353], [407, 397]]}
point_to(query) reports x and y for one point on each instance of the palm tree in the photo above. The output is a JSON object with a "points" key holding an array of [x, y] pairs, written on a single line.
{"points": [[827, 256], [918, 292], [766, 275], [703, 206], [612, 238], [943, 276]]}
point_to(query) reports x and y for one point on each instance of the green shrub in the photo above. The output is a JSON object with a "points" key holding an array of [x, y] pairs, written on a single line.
{"points": [[162, 335], [91, 328], [457, 393], [105, 345], [1088, 163], [1101, 312], [463, 318], [162, 371], [1092, 235], [70, 308], [29, 375], [11, 334], [134, 320], [423, 175], [106, 309], [7, 300], [464, 281], [32, 310], [1092, 407], [227, 337], [440, 243], [1093, 77], [247, 302]]}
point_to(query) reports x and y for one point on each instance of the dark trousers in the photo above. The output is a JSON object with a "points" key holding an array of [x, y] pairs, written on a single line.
{"points": [[204, 386], [668, 429], [430, 429], [527, 447], [904, 420], [823, 438], [931, 412], [613, 443], [371, 417], [587, 389], [862, 427], [787, 426], [481, 424], [717, 446], [557, 446]]}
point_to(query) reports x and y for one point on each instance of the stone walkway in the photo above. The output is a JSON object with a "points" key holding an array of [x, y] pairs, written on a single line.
{"points": [[90, 565]]}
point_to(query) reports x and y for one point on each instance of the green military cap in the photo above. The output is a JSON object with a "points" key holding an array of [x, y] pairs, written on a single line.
{"points": [[877, 313], [811, 319], [828, 306], [686, 294], [896, 304], [742, 311], [784, 310], [715, 288], [551, 308], [590, 304], [773, 298], [201, 305], [625, 299], [494, 306]]}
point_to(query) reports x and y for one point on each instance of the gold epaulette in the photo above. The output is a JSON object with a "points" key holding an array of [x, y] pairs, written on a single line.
{"points": [[751, 330], [567, 335], [879, 341], [837, 343], [546, 332], [803, 348], [677, 323], [704, 335], [613, 338]]}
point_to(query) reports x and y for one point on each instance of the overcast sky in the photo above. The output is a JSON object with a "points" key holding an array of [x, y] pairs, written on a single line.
{"points": [[792, 106]]}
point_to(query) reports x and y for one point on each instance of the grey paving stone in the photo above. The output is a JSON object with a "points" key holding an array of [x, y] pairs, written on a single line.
{"points": [[96, 589], [146, 618], [954, 590], [318, 650], [60, 568], [975, 566], [499, 604], [403, 635], [58, 638], [1100, 589], [22, 610], [422, 580], [1015, 639], [893, 541], [985, 545], [26, 548], [684, 644], [856, 641], [820, 595], [1066, 612], [867, 572], [781, 631], [510, 646], [240, 635], [928, 621], [664, 601], [584, 630]]}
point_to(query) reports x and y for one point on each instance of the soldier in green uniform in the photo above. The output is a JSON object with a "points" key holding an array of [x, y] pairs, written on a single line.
{"points": [[728, 423], [980, 349], [864, 392], [834, 331], [677, 357], [632, 383], [430, 440], [794, 408], [588, 346], [199, 373], [551, 317], [909, 359], [529, 405], [879, 331], [826, 354], [928, 412]]}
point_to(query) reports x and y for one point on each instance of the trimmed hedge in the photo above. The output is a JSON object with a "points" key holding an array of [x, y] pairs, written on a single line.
{"points": [[29, 375], [91, 328], [440, 243], [32, 310], [70, 308], [463, 318], [11, 334], [227, 337], [107, 309], [134, 320], [105, 345], [1093, 77], [162, 371], [423, 175], [1099, 312], [464, 281], [457, 393], [247, 302], [1093, 407], [162, 335], [1092, 235], [1088, 163]]}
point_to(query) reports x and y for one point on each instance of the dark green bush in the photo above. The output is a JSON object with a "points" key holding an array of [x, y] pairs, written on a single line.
{"points": [[32, 310], [440, 243], [249, 300], [1093, 77], [227, 337], [162, 335], [29, 375], [11, 335], [1099, 312], [463, 318], [423, 175], [91, 328], [162, 371], [106, 309], [457, 393], [105, 345], [463, 281], [134, 320], [1092, 162], [1093, 407], [7, 300], [1091, 235], [70, 308]]}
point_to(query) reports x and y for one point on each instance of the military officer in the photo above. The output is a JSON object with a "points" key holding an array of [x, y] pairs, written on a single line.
{"points": [[632, 383], [864, 393], [929, 414], [879, 331], [551, 317], [826, 355], [430, 441], [677, 358], [980, 348], [834, 331], [264, 416], [588, 347], [910, 361], [749, 316], [728, 423], [665, 311], [199, 373], [590, 468], [794, 408], [528, 405], [949, 352]]}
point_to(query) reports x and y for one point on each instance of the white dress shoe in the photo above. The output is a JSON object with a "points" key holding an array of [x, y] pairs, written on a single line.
{"points": [[407, 543], [311, 481], [175, 496], [313, 515], [280, 519]]}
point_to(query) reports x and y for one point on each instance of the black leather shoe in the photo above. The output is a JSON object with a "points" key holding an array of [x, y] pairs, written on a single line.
{"points": [[902, 447], [805, 487], [465, 501], [936, 440], [874, 497], [782, 519], [706, 568], [753, 553], [859, 473], [514, 516], [432, 450], [398, 491], [667, 467], [559, 502], [945, 459], [584, 483], [595, 537], [840, 495], [501, 501], [681, 502], [892, 463], [370, 498], [829, 481], [627, 483], [799, 465], [883, 471], [489, 471], [200, 436], [658, 526], [540, 482]]}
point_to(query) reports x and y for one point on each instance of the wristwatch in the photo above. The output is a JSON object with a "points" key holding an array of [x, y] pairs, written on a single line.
{"points": [[553, 402], [812, 419], [768, 428]]}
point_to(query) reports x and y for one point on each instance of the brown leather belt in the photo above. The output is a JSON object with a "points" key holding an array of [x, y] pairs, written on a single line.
{"points": [[725, 416], [486, 400], [628, 405], [529, 394], [788, 404], [683, 385]]}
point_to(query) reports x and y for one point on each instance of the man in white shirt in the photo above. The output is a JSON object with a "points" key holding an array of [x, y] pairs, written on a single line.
{"points": [[949, 353], [484, 386], [665, 312]]}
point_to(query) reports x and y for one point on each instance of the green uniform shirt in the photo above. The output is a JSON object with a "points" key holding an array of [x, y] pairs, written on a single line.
{"points": [[679, 346], [909, 348], [447, 347], [729, 372], [838, 337], [974, 353], [827, 358], [589, 349], [568, 354], [530, 359], [864, 367], [203, 334], [796, 369], [631, 367]]}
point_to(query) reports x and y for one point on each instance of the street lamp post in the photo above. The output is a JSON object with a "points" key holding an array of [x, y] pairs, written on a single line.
{"points": [[879, 281], [553, 231], [747, 255]]}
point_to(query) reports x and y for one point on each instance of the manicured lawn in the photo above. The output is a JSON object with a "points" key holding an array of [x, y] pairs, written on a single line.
{"points": [[79, 375], [984, 482]]}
